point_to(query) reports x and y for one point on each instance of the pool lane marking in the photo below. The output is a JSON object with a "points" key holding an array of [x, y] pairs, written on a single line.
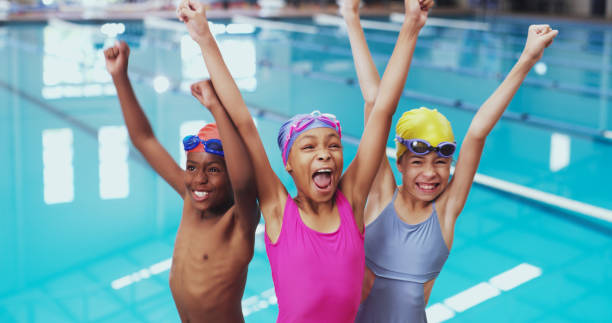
{"points": [[472, 72], [515, 189], [65, 24], [265, 23], [503, 53], [332, 20], [481, 292], [448, 23], [547, 198], [156, 269], [535, 195], [326, 19], [141, 274], [160, 23], [259, 302], [506, 55]]}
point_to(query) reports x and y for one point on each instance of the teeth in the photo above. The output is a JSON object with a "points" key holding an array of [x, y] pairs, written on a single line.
{"points": [[427, 186], [200, 194], [326, 170]]}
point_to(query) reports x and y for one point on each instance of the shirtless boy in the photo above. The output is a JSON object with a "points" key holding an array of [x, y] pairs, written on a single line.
{"points": [[215, 238]]}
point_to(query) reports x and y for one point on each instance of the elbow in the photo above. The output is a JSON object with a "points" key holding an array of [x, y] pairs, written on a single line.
{"points": [[370, 96], [139, 140], [476, 135]]}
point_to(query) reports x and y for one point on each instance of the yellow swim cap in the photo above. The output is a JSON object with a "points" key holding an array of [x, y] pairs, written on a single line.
{"points": [[423, 123]]}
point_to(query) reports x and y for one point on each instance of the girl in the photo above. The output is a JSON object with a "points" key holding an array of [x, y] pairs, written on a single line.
{"points": [[315, 240], [410, 227]]}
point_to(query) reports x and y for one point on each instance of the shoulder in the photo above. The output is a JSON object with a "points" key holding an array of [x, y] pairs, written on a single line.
{"points": [[376, 204]]}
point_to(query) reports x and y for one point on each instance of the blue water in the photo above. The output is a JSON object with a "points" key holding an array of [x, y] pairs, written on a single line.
{"points": [[70, 227]]}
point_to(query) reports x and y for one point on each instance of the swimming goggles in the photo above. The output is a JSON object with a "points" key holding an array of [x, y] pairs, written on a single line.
{"points": [[422, 147], [212, 146], [301, 124]]}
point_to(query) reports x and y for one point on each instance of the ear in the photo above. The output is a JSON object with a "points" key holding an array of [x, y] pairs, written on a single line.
{"points": [[399, 163], [288, 167]]}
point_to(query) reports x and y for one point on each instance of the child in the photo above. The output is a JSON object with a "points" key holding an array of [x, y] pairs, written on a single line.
{"points": [[411, 227], [214, 242], [315, 240]]}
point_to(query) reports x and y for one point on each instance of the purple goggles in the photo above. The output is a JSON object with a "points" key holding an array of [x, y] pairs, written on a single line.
{"points": [[302, 124], [421, 147]]}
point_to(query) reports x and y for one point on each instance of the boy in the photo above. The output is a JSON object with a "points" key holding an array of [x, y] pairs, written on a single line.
{"points": [[215, 238]]}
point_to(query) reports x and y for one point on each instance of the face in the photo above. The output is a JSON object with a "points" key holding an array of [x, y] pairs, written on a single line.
{"points": [[315, 163], [207, 182], [424, 177]]}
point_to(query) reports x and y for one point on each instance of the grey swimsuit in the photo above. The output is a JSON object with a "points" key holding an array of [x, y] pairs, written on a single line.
{"points": [[402, 257]]}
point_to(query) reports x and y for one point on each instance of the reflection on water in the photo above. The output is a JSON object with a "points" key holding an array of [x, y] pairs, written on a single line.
{"points": [[239, 55], [58, 172], [113, 153], [559, 151], [71, 69]]}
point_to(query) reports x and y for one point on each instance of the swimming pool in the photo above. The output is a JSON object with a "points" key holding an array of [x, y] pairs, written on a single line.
{"points": [[88, 228]]}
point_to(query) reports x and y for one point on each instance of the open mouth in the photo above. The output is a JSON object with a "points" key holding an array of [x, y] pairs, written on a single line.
{"points": [[322, 179], [199, 195], [427, 187]]}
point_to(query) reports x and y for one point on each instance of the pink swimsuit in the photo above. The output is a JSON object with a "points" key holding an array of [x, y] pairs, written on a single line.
{"points": [[317, 276]]}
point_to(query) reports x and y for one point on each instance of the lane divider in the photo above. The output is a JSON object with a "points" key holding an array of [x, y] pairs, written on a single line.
{"points": [[269, 24], [534, 195], [444, 22], [515, 189], [337, 21], [481, 292], [331, 20]]}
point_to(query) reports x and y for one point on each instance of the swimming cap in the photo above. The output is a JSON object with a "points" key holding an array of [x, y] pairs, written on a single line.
{"points": [[423, 123], [301, 123], [208, 132]]}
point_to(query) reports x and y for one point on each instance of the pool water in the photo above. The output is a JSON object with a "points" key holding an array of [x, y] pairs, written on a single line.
{"points": [[88, 228]]}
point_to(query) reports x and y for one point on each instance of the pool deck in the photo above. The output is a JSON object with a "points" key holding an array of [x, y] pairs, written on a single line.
{"points": [[138, 11]]}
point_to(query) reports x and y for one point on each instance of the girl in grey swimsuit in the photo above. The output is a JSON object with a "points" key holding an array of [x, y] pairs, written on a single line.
{"points": [[410, 228]]}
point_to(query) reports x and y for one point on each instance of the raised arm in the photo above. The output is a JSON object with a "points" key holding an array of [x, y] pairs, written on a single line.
{"points": [[137, 124], [237, 161], [367, 74], [271, 192], [539, 37], [384, 183], [359, 175]]}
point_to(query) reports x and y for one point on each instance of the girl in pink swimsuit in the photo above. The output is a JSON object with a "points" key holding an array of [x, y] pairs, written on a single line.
{"points": [[314, 240]]}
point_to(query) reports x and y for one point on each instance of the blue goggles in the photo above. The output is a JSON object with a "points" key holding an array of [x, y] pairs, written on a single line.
{"points": [[212, 146]]}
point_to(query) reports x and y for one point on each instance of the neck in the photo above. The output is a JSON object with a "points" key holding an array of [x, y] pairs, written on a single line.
{"points": [[409, 202], [213, 212], [314, 207]]}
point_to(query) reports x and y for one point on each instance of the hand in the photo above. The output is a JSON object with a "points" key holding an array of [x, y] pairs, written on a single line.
{"points": [[418, 10], [193, 14], [205, 93], [117, 58], [539, 37], [348, 7]]}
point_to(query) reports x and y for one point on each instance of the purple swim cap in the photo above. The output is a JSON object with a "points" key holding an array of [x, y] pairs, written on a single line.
{"points": [[292, 128]]}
